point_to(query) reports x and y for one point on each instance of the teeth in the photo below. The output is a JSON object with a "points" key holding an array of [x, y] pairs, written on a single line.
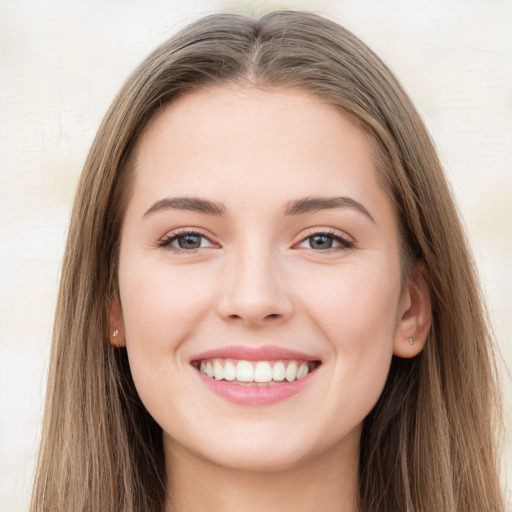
{"points": [[263, 373], [278, 372], [218, 371], [291, 371], [302, 371], [244, 371], [229, 371]]}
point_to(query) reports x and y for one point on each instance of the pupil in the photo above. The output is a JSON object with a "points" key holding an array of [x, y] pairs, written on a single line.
{"points": [[320, 242], [189, 242]]}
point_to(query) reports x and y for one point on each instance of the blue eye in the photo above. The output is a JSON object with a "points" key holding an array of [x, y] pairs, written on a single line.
{"points": [[320, 242], [186, 241], [189, 241], [325, 242]]}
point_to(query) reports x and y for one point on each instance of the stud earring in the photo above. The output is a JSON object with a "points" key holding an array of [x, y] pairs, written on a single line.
{"points": [[411, 341], [113, 339]]}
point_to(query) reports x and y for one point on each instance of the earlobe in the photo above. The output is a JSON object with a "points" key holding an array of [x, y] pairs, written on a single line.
{"points": [[116, 325], [415, 314]]}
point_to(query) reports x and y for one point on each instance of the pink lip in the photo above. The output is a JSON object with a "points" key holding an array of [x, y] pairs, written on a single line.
{"points": [[255, 395], [266, 353]]}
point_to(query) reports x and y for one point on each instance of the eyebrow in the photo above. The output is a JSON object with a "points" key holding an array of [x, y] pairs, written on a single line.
{"points": [[193, 204], [298, 207], [314, 204]]}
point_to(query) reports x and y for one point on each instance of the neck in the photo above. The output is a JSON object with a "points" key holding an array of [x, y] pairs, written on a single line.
{"points": [[327, 482]]}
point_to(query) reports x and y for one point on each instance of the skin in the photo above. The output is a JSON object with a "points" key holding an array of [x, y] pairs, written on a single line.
{"points": [[257, 280]]}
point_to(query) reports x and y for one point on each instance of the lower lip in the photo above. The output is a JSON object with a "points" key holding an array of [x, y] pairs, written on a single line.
{"points": [[255, 395]]}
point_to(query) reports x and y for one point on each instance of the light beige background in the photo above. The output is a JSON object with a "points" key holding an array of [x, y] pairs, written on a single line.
{"points": [[61, 62]]}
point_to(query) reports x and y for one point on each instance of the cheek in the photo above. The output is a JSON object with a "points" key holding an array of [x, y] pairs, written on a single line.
{"points": [[357, 314], [162, 308], [356, 301], [160, 302]]}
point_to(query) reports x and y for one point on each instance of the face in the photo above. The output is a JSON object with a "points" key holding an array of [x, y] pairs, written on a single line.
{"points": [[261, 296]]}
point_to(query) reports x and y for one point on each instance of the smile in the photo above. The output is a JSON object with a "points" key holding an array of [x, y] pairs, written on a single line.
{"points": [[255, 376], [260, 373]]}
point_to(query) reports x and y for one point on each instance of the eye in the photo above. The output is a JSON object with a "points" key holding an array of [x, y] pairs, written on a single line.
{"points": [[326, 241], [185, 241]]}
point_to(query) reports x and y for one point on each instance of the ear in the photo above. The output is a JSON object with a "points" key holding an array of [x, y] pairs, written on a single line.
{"points": [[414, 314], [116, 324]]}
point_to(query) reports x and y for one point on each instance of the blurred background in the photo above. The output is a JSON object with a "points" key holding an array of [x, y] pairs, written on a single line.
{"points": [[62, 62]]}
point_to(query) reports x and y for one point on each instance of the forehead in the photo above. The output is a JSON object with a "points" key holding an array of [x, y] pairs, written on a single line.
{"points": [[265, 136]]}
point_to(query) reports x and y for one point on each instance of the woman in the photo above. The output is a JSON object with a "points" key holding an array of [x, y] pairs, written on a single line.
{"points": [[267, 300]]}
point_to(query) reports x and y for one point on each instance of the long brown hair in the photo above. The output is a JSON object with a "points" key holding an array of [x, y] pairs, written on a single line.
{"points": [[429, 443]]}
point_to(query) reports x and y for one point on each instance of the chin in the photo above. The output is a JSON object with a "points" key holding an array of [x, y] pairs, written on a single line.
{"points": [[268, 448], [256, 458]]}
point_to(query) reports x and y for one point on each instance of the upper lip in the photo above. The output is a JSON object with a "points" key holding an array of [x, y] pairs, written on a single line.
{"points": [[264, 353]]}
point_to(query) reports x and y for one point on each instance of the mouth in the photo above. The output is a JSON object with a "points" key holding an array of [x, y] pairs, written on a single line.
{"points": [[255, 376], [255, 373]]}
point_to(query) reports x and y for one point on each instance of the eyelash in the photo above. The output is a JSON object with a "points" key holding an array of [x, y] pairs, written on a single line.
{"points": [[167, 240], [345, 243]]}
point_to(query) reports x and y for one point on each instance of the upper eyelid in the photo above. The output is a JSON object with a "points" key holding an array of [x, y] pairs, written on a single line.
{"points": [[186, 231], [324, 231]]}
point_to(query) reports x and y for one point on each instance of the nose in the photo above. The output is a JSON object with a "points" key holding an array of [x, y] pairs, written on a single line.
{"points": [[255, 292]]}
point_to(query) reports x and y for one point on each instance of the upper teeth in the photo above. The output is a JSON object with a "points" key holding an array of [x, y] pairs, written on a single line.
{"points": [[254, 371]]}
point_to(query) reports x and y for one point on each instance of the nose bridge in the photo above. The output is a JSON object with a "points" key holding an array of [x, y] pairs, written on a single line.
{"points": [[255, 291]]}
